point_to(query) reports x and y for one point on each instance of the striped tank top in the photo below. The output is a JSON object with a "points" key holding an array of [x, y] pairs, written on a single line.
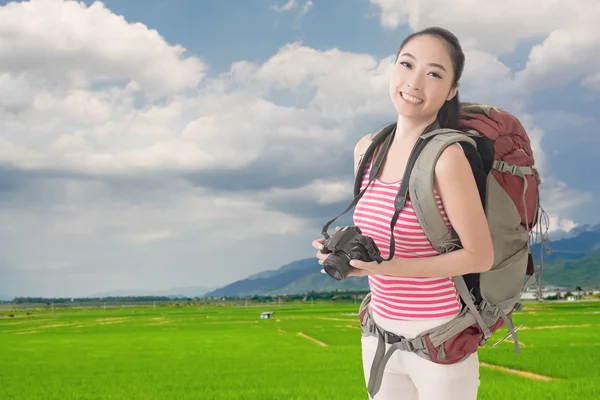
{"points": [[402, 298]]}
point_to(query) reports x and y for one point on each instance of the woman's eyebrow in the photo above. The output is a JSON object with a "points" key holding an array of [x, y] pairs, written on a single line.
{"points": [[431, 64]]}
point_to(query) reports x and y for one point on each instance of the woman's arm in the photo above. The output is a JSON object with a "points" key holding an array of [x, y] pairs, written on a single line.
{"points": [[460, 197]]}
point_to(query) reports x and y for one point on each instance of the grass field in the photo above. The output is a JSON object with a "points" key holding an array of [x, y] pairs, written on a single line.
{"points": [[229, 353]]}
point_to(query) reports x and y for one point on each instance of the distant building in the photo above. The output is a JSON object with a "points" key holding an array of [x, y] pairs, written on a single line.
{"points": [[531, 295], [266, 315]]}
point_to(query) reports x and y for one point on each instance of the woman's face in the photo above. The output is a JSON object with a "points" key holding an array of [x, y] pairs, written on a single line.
{"points": [[422, 78]]}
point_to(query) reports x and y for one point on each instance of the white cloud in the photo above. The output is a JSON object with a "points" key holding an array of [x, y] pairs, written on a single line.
{"points": [[136, 227], [558, 224], [103, 130], [344, 85], [486, 79], [290, 5], [44, 265], [592, 81], [566, 54], [299, 10], [569, 30], [492, 26], [558, 199], [306, 7], [89, 46], [93, 226], [125, 209], [319, 191]]}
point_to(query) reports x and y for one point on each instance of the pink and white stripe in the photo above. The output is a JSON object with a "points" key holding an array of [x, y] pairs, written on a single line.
{"points": [[402, 298]]}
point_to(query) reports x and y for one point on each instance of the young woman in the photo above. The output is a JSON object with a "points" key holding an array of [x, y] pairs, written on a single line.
{"points": [[414, 291]]}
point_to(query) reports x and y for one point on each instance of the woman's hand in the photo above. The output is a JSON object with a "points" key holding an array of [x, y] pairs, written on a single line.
{"points": [[363, 268], [318, 244]]}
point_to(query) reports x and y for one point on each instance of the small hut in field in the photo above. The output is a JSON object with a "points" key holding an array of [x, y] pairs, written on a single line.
{"points": [[266, 315]]}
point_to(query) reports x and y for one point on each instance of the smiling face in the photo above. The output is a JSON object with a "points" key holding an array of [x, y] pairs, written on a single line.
{"points": [[422, 79]]}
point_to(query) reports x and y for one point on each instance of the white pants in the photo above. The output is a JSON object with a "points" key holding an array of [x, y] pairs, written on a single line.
{"points": [[410, 377]]}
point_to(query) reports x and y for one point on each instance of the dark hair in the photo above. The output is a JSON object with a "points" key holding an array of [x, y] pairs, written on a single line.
{"points": [[449, 114]]}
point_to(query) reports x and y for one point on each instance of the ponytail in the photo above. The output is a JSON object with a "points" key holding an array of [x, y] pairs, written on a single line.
{"points": [[449, 114]]}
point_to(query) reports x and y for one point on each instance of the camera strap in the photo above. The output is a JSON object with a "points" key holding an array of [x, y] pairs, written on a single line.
{"points": [[372, 175], [401, 196]]}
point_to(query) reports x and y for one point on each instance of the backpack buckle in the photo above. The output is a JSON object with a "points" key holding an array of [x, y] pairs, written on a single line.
{"points": [[492, 309], [408, 346], [392, 338]]}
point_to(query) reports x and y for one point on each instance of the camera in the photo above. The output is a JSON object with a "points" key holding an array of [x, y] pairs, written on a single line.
{"points": [[348, 243]]}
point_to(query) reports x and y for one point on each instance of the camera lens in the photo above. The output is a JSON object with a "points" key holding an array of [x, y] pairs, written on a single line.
{"points": [[336, 267]]}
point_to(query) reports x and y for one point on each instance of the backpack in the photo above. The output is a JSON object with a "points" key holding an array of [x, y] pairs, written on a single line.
{"points": [[499, 152]]}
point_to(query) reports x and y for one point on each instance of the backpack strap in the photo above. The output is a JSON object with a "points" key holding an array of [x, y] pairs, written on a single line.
{"points": [[463, 291], [402, 195], [478, 108], [422, 192]]}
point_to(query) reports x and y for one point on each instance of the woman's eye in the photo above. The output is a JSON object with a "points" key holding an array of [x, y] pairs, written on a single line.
{"points": [[436, 75], [407, 65]]}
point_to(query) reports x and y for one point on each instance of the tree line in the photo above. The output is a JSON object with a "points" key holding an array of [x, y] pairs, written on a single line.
{"points": [[310, 296]]}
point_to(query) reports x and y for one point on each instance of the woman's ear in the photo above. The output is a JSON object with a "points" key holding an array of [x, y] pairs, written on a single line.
{"points": [[452, 92]]}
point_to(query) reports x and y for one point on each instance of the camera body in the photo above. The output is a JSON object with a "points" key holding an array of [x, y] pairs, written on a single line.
{"points": [[346, 244]]}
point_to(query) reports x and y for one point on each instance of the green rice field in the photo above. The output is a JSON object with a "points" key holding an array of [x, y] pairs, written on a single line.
{"points": [[305, 351]]}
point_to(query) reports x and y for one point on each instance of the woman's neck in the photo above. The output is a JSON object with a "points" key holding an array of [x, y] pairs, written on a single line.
{"points": [[408, 130], [413, 128]]}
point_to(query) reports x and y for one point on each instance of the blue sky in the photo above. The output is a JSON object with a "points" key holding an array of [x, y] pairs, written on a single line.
{"points": [[222, 32], [127, 164]]}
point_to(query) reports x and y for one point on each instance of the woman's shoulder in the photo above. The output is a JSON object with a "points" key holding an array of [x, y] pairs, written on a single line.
{"points": [[452, 160], [360, 148], [451, 164], [362, 144]]}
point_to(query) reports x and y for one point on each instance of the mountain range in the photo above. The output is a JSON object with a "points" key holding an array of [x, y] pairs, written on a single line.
{"points": [[573, 261], [192, 291]]}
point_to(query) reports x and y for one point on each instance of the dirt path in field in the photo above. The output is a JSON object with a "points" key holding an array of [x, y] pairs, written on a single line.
{"points": [[524, 374], [336, 319], [34, 329], [24, 322], [25, 332], [530, 328], [54, 326], [312, 338], [159, 321], [521, 344], [109, 321]]}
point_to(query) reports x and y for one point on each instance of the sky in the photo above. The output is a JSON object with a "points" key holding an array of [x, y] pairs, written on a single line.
{"points": [[149, 145]]}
